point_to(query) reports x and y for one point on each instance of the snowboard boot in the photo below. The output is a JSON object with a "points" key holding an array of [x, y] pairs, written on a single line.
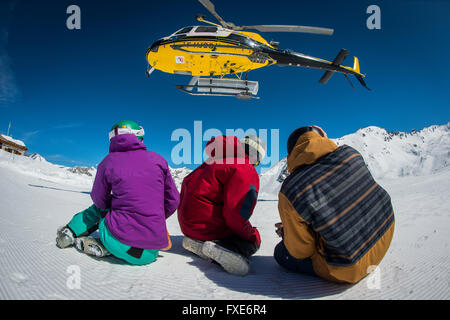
{"points": [[194, 246], [232, 262], [91, 246], [64, 237]]}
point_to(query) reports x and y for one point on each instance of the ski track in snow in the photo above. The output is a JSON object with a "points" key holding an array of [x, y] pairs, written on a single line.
{"points": [[32, 267]]}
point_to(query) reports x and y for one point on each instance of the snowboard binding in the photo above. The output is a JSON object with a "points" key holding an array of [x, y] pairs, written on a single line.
{"points": [[64, 237], [91, 246]]}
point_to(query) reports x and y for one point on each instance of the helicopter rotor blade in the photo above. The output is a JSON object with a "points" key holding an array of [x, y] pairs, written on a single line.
{"points": [[286, 28], [210, 7]]}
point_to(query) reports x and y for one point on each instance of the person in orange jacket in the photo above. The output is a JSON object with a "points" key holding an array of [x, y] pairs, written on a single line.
{"points": [[217, 200], [337, 222]]}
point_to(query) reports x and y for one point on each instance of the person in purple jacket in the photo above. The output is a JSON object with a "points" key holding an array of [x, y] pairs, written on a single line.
{"points": [[133, 195]]}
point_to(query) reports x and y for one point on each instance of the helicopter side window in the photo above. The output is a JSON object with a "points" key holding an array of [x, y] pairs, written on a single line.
{"points": [[184, 30], [237, 37], [242, 39], [206, 29]]}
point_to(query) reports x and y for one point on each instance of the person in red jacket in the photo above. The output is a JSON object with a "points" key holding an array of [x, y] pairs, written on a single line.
{"points": [[217, 200]]}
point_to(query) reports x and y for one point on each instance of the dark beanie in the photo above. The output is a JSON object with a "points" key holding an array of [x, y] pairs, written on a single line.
{"points": [[296, 134]]}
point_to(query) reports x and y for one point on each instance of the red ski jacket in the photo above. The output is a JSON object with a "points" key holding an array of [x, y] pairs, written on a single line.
{"points": [[218, 198]]}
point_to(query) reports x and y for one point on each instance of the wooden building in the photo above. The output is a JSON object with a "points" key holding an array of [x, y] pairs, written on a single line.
{"points": [[12, 145]]}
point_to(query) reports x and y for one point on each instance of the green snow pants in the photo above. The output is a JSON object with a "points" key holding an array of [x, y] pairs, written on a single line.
{"points": [[91, 219]]}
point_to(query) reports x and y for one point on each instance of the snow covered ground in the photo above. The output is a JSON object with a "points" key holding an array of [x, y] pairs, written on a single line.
{"points": [[37, 197]]}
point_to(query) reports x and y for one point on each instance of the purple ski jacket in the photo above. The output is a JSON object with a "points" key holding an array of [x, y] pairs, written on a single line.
{"points": [[137, 187]]}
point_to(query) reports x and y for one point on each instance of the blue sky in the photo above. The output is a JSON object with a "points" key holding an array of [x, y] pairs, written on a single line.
{"points": [[63, 89]]}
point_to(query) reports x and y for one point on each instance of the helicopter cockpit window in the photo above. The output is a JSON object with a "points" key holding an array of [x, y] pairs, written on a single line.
{"points": [[184, 30], [206, 29]]}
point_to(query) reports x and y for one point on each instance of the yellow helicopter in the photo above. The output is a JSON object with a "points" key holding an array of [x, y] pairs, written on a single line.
{"points": [[220, 56]]}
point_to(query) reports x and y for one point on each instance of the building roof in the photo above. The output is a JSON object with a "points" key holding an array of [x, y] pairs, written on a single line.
{"points": [[12, 142]]}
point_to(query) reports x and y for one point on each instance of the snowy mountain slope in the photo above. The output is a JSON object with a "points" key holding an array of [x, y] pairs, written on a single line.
{"points": [[270, 181], [37, 166], [402, 154], [40, 168], [387, 154], [32, 267], [37, 157], [178, 174], [90, 172]]}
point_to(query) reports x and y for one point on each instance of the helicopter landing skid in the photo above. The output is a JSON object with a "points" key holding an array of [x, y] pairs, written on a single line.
{"points": [[241, 89]]}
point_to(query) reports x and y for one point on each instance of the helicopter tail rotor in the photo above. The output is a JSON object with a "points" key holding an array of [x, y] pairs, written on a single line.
{"points": [[361, 80], [356, 71], [337, 61]]}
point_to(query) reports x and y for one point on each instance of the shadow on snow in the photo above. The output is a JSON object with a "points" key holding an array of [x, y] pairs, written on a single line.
{"points": [[265, 278]]}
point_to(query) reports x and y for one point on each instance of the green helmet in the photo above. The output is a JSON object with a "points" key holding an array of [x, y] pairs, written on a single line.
{"points": [[127, 126]]}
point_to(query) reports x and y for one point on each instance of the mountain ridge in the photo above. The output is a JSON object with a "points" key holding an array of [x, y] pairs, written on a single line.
{"points": [[388, 155]]}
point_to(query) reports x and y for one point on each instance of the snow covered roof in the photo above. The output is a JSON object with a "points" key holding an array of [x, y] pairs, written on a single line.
{"points": [[14, 142]]}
